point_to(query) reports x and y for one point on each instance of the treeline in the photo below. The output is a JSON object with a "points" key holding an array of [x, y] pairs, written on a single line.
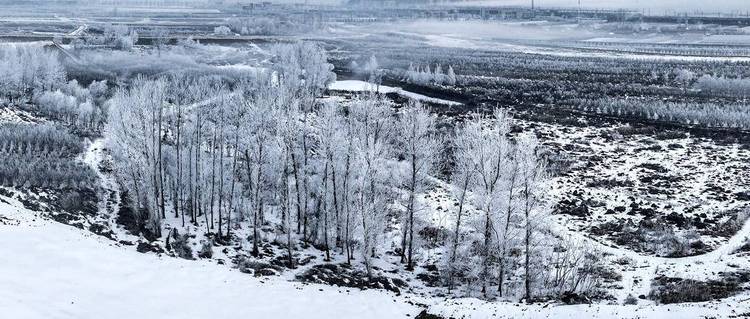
{"points": [[276, 25], [424, 75], [706, 50], [687, 113], [25, 69]]}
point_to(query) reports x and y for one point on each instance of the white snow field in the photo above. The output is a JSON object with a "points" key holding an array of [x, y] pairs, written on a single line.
{"points": [[50, 270]]}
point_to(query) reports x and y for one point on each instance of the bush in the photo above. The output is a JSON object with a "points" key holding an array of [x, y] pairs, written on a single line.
{"points": [[668, 290], [222, 30], [207, 250], [181, 245], [630, 300]]}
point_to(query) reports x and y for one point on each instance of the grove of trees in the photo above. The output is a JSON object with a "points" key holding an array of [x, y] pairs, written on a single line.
{"points": [[264, 152]]}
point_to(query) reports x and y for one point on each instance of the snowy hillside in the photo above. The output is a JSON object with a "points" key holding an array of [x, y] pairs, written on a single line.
{"points": [[57, 271]]}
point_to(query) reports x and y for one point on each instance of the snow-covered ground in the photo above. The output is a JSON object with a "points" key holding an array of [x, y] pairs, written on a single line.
{"points": [[57, 271], [475, 308], [52, 270], [362, 86]]}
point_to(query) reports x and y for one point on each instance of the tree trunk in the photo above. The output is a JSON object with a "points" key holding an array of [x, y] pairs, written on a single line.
{"points": [[295, 171], [231, 188], [506, 229], [325, 213], [221, 173], [161, 165], [527, 244], [412, 190], [285, 194], [454, 250], [213, 177]]}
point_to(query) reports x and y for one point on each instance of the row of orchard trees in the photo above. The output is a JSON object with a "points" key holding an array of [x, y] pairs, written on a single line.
{"points": [[266, 151]]}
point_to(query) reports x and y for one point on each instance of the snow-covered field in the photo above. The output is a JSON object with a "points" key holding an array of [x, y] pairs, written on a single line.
{"points": [[550, 38], [52, 270]]}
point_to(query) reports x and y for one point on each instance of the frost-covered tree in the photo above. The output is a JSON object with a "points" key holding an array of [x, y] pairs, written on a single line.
{"points": [[465, 142], [222, 30], [372, 130], [25, 70], [490, 160], [532, 187], [304, 71], [450, 76], [684, 78], [420, 146], [134, 137]]}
